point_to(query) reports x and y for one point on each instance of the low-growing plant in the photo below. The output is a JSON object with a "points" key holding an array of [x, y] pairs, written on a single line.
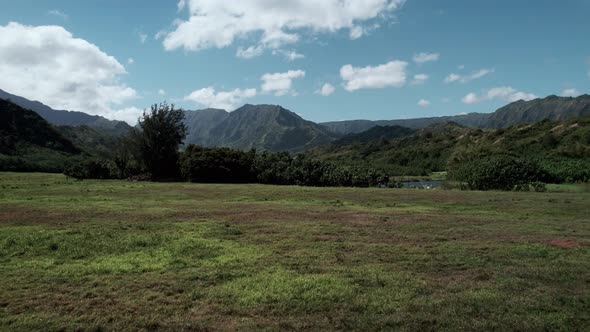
{"points": [[499, 173]]}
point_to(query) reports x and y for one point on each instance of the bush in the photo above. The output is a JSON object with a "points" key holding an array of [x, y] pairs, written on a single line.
{"points": [[223, 165], [92, 169], [499, 173]]}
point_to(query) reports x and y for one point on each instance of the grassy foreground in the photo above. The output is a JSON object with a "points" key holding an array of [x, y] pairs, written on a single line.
{"points": [[116, 255]]}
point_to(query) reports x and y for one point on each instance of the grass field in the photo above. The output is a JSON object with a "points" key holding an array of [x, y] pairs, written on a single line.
{"points": [[116, 255]]}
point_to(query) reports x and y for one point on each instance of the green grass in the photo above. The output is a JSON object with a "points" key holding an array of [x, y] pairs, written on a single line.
{"points": [[134, 256]]}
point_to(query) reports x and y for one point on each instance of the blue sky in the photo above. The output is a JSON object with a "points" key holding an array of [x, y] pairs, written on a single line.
{"points": [[380, 59]]}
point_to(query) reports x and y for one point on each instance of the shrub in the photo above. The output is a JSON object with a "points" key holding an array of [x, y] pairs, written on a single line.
{"points": [[499, 173], [92, 169]]}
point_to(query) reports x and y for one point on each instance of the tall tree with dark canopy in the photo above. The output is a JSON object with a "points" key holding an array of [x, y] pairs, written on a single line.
{"points": [[163, 133]]}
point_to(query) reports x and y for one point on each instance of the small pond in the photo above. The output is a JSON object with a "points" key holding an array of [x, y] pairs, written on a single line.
{"points": [[422, 184]]}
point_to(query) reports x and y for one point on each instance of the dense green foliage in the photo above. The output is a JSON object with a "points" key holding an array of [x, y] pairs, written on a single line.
{"points": [[559, 148], [223, 165], [92, 169], [501, 173], [19, 126], [217, 165], [29, 143], [162, 132], [422, 153]]}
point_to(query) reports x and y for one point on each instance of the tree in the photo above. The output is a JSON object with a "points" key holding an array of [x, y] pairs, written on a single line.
{"points": [[163, 131], [126, 154]]}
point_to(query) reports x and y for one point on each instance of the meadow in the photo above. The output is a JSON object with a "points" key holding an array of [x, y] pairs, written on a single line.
{"points": [[138, 256]]}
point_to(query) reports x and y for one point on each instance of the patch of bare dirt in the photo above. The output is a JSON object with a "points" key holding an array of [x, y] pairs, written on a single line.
{"points": [[564, 243]]}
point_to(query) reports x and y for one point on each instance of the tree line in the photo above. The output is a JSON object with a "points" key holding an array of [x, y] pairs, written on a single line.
{"points": [[152, 152]]}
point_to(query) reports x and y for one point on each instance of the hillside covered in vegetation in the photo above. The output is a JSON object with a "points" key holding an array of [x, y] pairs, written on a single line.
{"points": [[563, 147], [29, 143]]}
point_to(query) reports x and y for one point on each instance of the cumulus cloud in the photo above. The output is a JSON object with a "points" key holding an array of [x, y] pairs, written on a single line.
{"points": [[280, 83], [570, 93], [48, 64], [326, 90], [128, 114], [468, 78], [470, 98], [274, 23], [421, 58], [227, 100], [423, 103], [391, 74], [130, 61], [162, 92], [420, 79], [504, 93]]}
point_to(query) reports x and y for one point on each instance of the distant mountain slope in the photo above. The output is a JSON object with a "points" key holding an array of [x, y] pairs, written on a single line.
{"points": [[550, 108], [376, 134], [67, 118], [262, 127], [425, 151], [29, 142], [20, 127], [200, 124], [93, 141], [559, 146], [358, 126]]}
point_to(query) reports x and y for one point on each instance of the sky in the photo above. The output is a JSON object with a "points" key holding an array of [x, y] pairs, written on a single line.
{"points": [[326, 60]]}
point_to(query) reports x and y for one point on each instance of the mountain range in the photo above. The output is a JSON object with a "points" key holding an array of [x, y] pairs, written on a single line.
{"points": [[262, 127], [274, 128], [68, 118], [519, 112]]}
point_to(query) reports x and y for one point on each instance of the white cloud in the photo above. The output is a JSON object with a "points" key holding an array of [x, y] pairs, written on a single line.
{"points": [[468, 78], [391, 74], [142, 37], [289, 55], [570, 93], [162, 92], [504, 93], [58, 13], [280, 83], [461, 67], [420, 79], [218, 23], [452, 78], [250, 52], [130, 61], [227, 100], [426, 57], [128, 114], [326, 90], [356, 32], [48, 64], [471, 98], [423, 103]]}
